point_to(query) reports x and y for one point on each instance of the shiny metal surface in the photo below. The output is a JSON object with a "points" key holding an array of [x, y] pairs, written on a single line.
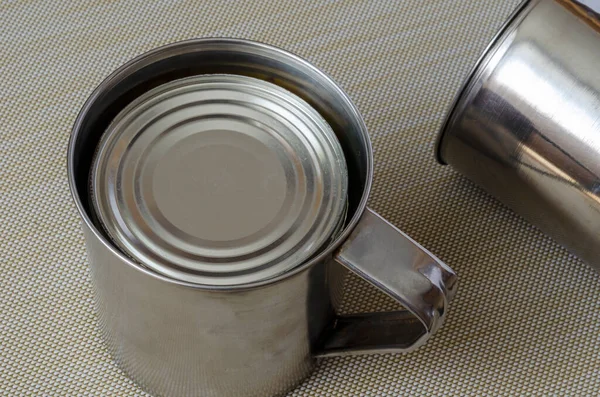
{"points": [[219, 180], [526, 126], [177, 338]]}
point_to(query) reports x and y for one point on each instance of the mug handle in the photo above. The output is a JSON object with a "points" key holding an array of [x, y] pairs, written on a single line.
{"points": [[396, 264]]}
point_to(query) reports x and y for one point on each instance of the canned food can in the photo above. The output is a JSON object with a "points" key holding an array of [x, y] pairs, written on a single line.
{"points": [[219, 180]]}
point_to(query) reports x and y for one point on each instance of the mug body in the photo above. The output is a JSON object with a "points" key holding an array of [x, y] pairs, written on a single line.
{"points": [[177, 338], [526, 126], [180, 340]]}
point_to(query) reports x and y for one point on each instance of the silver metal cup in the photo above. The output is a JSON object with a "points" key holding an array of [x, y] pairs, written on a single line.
{"points": [[179, 338], [526, 125]]}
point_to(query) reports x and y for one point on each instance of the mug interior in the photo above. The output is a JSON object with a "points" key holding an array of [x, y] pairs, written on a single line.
{"points": [[223, 56]]}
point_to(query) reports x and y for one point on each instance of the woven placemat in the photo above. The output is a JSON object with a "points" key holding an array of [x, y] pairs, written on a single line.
{"points": [[526, 319]]}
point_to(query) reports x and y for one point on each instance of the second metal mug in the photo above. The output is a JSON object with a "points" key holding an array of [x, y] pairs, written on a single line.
{"points": [[178, 338], [526, 126]]}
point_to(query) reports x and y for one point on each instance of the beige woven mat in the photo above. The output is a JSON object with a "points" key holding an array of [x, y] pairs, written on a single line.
{"points": [[526, 319]]}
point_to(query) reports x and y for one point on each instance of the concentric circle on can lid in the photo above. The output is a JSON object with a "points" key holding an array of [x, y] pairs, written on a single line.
{"points": [[219, 180]]}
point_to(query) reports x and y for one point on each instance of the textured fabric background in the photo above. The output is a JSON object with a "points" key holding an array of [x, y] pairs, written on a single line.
{"points": [[526, 319]]}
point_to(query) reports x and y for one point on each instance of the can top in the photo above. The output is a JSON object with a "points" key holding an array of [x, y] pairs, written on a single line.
{"points": [[219, 180]]}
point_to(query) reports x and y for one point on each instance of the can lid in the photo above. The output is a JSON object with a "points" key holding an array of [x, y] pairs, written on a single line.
{"points": [[219, 180]]}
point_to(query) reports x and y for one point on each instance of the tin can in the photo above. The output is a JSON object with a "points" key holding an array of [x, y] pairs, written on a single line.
{"points": [[526, 124], [219, 180], [179, 325]]}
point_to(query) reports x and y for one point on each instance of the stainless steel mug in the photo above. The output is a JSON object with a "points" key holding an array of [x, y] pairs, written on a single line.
{"points": [[526, 125], [176, 337]]}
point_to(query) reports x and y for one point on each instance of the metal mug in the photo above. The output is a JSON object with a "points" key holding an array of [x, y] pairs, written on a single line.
{"points": [[258, 339], [526, 124]]}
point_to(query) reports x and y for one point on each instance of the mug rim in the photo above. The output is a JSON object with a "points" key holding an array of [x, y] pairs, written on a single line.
{"points": [[509, 25], [153, 56]]}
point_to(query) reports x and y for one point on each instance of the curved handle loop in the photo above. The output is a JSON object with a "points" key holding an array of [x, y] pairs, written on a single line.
{"points": [[396, 264]]}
